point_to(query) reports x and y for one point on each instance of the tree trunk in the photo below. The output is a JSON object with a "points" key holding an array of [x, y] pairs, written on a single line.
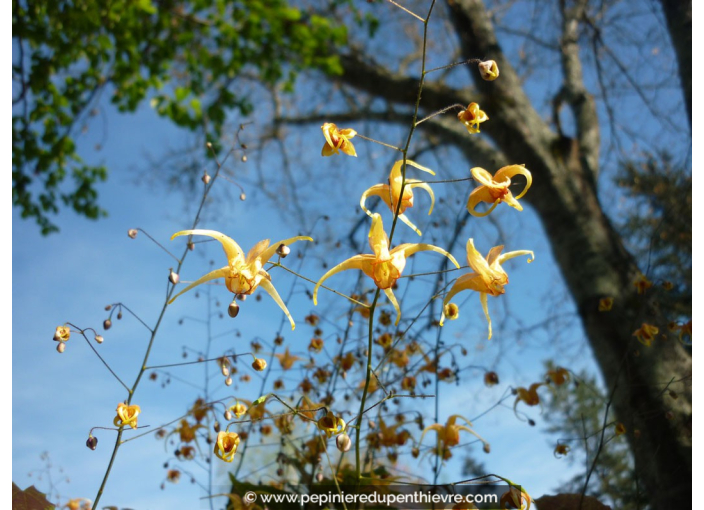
{"points": [[678, 14]]}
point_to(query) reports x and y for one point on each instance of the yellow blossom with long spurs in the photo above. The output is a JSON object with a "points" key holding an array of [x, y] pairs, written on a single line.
{"points": [[449, 434], [494, 189], [472, 117], [337, 140], [384, 266], [126, 415], [226, 445], [331, 424], [391, 193], [243, 275], [488, 277], [646, 333]]}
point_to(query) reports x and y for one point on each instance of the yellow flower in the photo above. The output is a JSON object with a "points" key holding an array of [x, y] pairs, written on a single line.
{"points": [[243, 275], [126, 415], [559, 376], [488, 277], [337, 140], [619, 429], [259, 364], [451, 311], [78, 504], [472, 117], [489, 70], [316, 344], [449, 434], [62, 334], [226, 445], [605, 304], [173, 475], [286, 359], [331, 424], [494, 190], [529, 396], [642, 284], [491, 379], [239, 409], [646, 334], [384, 266], [561, 450], [391, 193]]}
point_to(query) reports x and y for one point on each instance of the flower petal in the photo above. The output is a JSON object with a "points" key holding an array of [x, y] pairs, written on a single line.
{"points": [[513, 170], [223, 272], [256, 250], [232, 249], [271, 250], [478, 195], [485, 307], [269, 288], [390, 295], [518, 253], [361, 262], [380, 190], [415, 184], [410, 249], [378, 240]]}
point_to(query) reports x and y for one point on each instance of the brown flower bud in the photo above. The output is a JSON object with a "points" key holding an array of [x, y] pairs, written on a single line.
{"points": [[228, 415], [132, 233], [233, 309], [107, 324], [191, 246], [61, 347], [487, 448], [173, 277], [244, 159], [206, 177], [92, 442], [228, 381], [243, 197], [99, 339], [283, 251], [216, 426]]}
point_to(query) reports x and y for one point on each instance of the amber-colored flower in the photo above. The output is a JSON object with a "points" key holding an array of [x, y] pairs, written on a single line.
{"points": [[449, 434], [495, 189], [391, 193], [668, 285], [62, 334], [385, 340], [488, 70], [451, 311], [78, 504], [619, 429], [199, 410], [187, 432], [488, 277], [188, 452], [683, 329], [558, 376], [126, 415], [408, 383], [516, 497], [561, 450], [646, 334], [243, 275], [491, 379], [605, 304], [472, 117], [226, 445], [384, 266], [286, 359], [337, 140], [259, 364], [331, 424], [239, 409], [173, 475], [529, 396], [642, 284]]}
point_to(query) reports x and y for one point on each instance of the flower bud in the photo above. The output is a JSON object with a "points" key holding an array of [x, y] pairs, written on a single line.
{"points": [[491, 379], [228, 415], [191, 246], [206, 177], [283, 251], [233, 309], [61, 347], [228, 381], [99, 339], [173, 277], [92, 442], [244, 159], [243, 197], [259, 364], [241, 297], [487, 448], [488, 70], [216, 426], [343, 442], [132, 233], [319, 477], [107, 324]]}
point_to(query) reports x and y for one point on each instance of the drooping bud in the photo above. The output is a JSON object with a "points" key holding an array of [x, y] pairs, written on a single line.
{"points": [[107, 324], [216, 426], [244, 159], [491, 379], [191, 246], [99, 339], [61, 347], [487, 448], [243, 197], [259, 364], [488, 70], [228, 415], [241, 297], [228, 381], [173, 277], [283, 251], [233, 309], [92, 442], [132, 233], [343, 442], [206, 177]]}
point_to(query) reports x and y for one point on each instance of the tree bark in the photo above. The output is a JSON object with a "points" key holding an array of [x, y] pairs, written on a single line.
{"points": [[678, 14]]}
